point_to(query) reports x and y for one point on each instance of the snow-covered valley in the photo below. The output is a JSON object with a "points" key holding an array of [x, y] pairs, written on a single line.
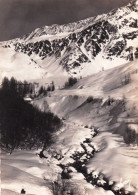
{"points": [[89, 153]]}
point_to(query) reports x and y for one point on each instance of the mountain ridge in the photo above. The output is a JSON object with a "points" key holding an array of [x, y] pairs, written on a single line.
{"points": [[98, 43], [79, 24]]}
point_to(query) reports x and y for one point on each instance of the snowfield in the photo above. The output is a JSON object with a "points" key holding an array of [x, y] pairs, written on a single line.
{"points": [[16, 64], [23, 67], [116, 161]]}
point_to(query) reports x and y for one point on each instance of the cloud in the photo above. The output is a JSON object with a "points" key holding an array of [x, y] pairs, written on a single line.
{"points": [[18, 17]]}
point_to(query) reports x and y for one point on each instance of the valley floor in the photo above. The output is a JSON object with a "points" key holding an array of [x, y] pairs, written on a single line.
{"points": [[106, 158]]}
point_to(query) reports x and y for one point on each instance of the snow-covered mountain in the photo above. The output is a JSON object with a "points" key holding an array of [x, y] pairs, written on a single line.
{"points": [[96, 150], [84, 47]]}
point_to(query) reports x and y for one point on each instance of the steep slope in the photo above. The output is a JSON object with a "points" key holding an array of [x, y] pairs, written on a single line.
{"points": [[118, 83], [87, 46]]}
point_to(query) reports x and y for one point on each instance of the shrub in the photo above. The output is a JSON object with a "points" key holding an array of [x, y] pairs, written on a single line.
{"points": [[129, 135], [61, 187], [86, 126], [42, 91], [71, 81], [126, 80], [89, 99], [51, 87]]}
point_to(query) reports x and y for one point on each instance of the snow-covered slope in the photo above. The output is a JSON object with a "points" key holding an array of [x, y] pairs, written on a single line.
{"points": [[118, 83], [24, 67], [87, 105], [87, 46], [18, 65]]}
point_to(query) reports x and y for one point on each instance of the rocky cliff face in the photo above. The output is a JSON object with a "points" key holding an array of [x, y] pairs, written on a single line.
{"points": [[76, 45]]}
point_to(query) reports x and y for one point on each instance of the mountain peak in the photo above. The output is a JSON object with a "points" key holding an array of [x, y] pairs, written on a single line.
{"points": [[49, 32], [133, 5]]}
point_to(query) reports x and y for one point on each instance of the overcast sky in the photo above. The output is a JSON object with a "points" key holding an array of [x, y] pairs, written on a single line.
{"points": [[18, 17]]}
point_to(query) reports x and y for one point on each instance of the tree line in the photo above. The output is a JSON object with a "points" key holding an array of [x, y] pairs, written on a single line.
{"points": [[21, 124], [24, 88]]}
